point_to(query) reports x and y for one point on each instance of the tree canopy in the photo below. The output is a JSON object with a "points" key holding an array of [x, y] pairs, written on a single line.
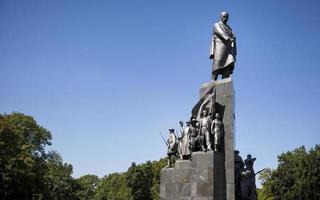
{"points": [[29, 172], [22, 157], [296, 177]]}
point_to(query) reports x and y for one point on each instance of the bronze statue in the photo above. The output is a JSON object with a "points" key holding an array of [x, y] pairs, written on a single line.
{"points": [[172, 146], [184, 146], [196, 139], [193, 134], [217, 129], [223, 48], [205, 128], [248, 180], [238, 169]]}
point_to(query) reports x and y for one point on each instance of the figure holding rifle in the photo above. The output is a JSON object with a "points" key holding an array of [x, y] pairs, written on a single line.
{"points": [[172, 146]]}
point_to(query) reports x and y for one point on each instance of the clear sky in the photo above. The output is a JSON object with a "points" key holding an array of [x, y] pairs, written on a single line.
{"points": [[105, 77]]}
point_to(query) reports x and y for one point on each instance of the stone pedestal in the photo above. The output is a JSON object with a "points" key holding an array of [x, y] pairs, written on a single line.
{"points": [[201, 178], [225, 105], [208, 175]]}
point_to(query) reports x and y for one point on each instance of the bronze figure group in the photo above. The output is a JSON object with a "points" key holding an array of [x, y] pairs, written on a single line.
{"points": [[196, 136]]}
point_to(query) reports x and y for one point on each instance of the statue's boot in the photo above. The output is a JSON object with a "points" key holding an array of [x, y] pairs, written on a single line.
{"points": [[169, 163], [203, 149]]}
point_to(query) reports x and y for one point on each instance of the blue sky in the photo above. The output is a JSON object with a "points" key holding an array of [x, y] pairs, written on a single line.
{"points": [[105, 77]]}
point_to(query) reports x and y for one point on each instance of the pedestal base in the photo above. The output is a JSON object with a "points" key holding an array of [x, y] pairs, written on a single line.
{"points": [[201, 178]]}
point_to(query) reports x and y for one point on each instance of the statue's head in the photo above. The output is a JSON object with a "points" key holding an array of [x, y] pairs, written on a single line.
{"points": [[193, 122], [249, 161], [224, 16], [171, 130], [217, 116], [236, 152], [205, 113], [188, 123]]}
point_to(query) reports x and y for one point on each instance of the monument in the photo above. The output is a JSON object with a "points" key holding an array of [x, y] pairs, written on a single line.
{"points": [[209, 168]]}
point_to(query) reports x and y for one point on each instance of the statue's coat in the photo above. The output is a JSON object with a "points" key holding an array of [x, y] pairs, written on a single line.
{"points": [[223, 50]]}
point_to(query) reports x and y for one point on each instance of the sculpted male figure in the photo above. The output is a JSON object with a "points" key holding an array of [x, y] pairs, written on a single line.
{"points": [[217, 130], [223, 48], [248, 180], [238, 169], [195, 138], [205, 128], [184, 147], [172, 146]]}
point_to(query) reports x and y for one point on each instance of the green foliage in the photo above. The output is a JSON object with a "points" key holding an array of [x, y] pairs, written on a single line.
{"points": [[296, 177], [87, 186], [156, 170], [26, 171], [113, 187], [22, 157], [61, 184], [139, 179], [263, 193], [139, 182]]}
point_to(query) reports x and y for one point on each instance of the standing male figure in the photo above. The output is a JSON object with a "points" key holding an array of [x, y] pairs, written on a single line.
{"points": [[184, 146], [195, 138], [217, 130], [248, 180], [223, 48], [172, 146], [193, 134], [205, 128], [238, 169]]}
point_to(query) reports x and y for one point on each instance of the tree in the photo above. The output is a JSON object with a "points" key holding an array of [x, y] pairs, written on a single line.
{"points": [[135, 181], [113, 187], [87, 186], [26, 171], [296, 177], [22, 156], [139, 179], [58, 178], [263, 193]]}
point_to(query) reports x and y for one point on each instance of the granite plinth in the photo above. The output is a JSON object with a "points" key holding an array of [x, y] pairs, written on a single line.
{"points": [[225, 105], [195, 179]]}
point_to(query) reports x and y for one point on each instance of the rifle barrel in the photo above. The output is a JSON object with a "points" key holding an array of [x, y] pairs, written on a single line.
{"points": [[163, 139]]}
